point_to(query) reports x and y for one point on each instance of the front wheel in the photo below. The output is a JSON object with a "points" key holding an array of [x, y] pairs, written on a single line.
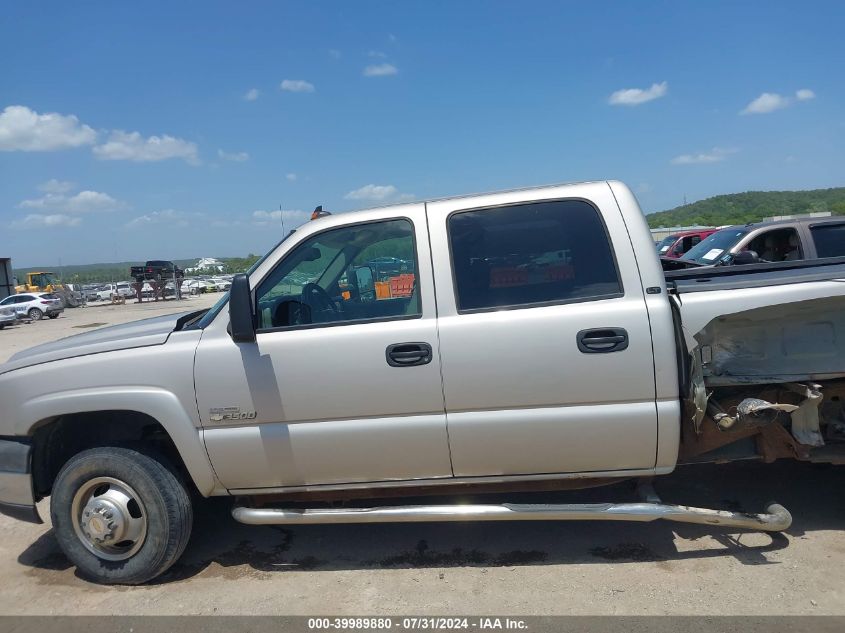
{"points": [[35, 314], [122, 517], [55, 315]]}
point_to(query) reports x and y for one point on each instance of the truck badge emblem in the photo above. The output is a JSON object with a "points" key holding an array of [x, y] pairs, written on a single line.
{"points": [[221, 414]]}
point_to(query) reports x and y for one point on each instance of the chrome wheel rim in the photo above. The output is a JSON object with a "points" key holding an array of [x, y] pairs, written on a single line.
{"points": [[109, 518]]}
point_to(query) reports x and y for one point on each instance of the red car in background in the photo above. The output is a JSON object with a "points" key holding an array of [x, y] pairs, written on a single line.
{"points": [[676, 244]]}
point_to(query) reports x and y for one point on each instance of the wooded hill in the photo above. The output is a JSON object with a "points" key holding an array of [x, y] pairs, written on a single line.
{"points": [[751, 206]]}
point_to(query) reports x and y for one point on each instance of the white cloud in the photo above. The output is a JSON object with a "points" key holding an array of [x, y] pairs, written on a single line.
{"points": [[380, 70], [292, 218], [57, 208], [132, 146], [378, 193], [237, 157], [291, 177], [716, 155], [376, 54], [771, 101], [42, 221], [22, 129], [296, 85], [56, 186], [638, 96], [82, 202], [765, 103], [170, 217], [252, 94]]}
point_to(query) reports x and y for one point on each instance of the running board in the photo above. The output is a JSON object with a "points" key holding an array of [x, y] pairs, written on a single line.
{"points": [[776, 518]]}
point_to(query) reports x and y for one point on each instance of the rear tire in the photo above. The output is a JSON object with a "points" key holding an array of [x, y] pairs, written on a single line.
{"points": [[35, 314], [53, 316], [161, 503]]}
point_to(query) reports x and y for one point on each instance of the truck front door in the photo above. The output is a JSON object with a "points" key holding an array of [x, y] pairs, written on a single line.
{"points": [[544, 335], [343, 382]]}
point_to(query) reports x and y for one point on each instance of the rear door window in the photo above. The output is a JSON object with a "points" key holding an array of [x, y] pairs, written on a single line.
{"points": [[531, 254], [829, 239]]}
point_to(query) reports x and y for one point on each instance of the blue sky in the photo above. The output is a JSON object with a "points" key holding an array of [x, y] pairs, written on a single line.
{"points": [[171, 130]]}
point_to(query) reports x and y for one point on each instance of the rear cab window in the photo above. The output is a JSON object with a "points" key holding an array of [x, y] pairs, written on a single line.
{"points": [[533, 254]]}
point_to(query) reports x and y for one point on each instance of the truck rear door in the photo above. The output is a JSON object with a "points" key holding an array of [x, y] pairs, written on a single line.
{"points": [[545, 341]]}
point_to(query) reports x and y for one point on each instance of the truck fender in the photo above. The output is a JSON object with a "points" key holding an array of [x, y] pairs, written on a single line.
{"points": [[159, 404]]}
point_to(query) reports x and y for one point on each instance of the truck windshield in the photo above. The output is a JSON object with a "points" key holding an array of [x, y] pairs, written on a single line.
{"points": [[712, 248], [665, 244]]}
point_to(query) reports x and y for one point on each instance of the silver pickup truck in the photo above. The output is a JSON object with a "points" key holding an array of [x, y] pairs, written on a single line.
{"points": [[515, 341]]}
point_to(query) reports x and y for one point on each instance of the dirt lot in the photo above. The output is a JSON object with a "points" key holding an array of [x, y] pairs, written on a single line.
{"points": [[473, 568]]}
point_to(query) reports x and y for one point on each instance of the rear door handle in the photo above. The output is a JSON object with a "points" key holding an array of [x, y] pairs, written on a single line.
{"points": [[408, 354], [602, 340]]}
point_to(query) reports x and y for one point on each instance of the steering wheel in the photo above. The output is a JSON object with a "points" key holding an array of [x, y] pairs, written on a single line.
{"points": [[318, 300]]}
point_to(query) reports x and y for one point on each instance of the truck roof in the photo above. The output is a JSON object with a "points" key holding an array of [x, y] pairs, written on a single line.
{"points": [[789, 222], [686, 232], [477, 194]]}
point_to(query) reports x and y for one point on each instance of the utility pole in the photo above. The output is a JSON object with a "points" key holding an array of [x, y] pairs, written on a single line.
{"points": [[282, 218]]}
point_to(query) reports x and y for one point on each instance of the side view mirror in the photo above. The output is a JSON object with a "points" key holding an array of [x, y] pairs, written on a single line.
{"points": [[240, 310], [366, 282], [746, 257]]}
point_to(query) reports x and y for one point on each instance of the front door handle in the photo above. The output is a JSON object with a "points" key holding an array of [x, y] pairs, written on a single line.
{"points": [[408, 354], [602, 340]]}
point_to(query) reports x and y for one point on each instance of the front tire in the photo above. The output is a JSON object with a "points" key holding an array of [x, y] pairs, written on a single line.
{"points": [[35, 314], [120, 516], [55, 315]]}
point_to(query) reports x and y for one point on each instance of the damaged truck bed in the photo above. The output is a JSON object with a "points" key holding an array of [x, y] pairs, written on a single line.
{"points": [[762, 361]]}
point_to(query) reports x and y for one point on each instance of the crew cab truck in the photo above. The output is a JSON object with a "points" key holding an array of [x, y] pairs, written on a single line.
{"points": [[155, 270], [775, 241], [676, 244], [533, 343]]}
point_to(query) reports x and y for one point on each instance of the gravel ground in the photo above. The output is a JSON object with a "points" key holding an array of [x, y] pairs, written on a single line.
{"points": [[473, 568]]}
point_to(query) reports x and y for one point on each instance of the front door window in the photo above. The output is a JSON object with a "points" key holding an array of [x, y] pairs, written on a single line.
{"points": [[351, 274]]}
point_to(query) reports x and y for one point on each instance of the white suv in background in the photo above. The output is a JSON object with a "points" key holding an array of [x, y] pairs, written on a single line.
{"points": [[7, 316], [35, 305]]}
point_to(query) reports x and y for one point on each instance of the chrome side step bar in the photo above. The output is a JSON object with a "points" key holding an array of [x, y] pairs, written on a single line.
{"points": [[776, 518]]}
